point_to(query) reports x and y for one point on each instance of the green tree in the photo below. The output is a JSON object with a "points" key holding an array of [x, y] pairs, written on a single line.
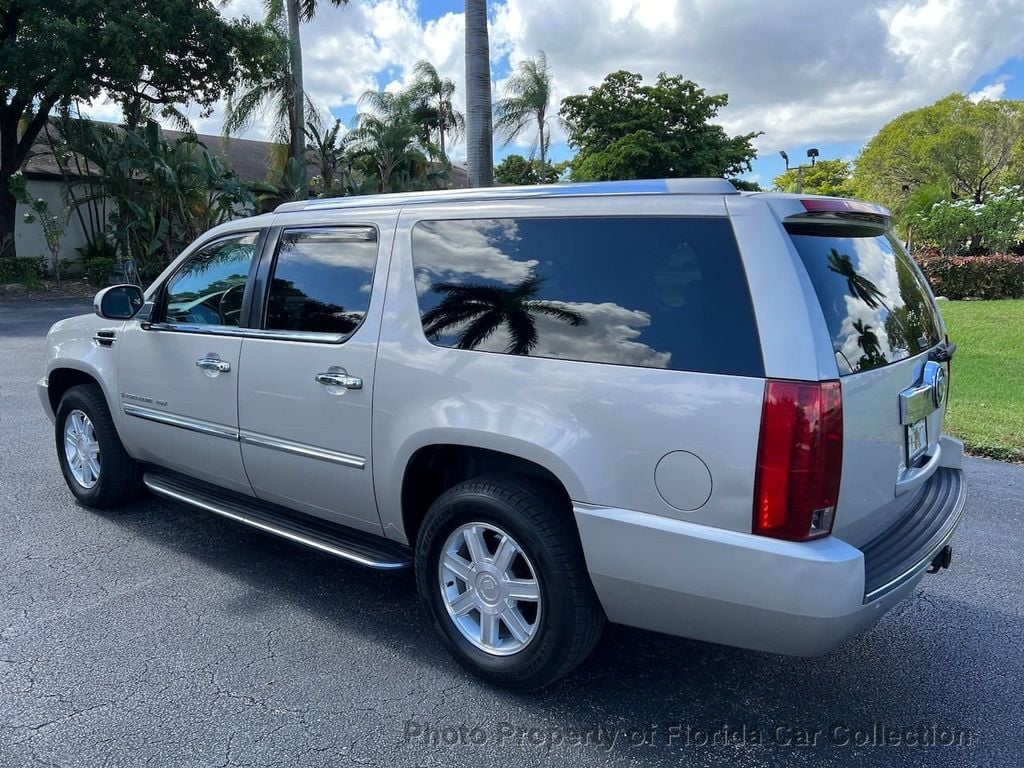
{"points": [[626, 130], [479, 133], [516, 169], [263, 86], [480, 310], [147, 54], [388, 140], [324, 151], [433, 106], [293, 13], [825, 177], [525, 104], [971, 149]]}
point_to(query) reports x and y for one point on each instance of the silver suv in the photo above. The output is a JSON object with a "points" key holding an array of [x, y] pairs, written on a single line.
{"points": [[659, 403]]}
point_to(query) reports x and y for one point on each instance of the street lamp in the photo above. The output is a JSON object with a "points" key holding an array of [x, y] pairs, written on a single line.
{"points": [[811, 153]]}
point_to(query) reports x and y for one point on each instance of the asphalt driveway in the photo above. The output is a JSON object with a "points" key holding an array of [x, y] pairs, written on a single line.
{"points": [[159, 635]]}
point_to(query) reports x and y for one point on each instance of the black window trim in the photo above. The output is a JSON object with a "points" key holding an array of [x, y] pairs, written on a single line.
{"points": [[759, 373], [262, 282], [160, 299]]}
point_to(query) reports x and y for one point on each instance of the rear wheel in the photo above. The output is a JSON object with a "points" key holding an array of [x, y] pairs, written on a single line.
{"points": [[92, 459], [501, 572]]}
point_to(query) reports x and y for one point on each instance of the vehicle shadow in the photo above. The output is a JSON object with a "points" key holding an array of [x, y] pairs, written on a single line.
{"points": [[644, 698]]}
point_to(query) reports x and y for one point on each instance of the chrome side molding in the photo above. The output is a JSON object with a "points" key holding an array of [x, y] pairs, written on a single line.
{"points": [[182, 422], [301, 449]]}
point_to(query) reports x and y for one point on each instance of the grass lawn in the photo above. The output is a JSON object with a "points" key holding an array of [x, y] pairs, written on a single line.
{"points": [[986, 405]]}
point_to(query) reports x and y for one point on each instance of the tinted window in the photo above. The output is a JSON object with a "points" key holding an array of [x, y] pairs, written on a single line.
{"points": [[651, 292], [208, 289], [875, 300], [321, 280]]}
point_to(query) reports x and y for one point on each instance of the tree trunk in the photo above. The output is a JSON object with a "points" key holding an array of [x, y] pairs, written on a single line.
{"points": [[543, 154], [479, 133], [9, 164], [297, 102]]}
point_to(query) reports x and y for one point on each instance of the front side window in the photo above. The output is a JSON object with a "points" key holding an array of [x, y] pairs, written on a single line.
{"points": [[655, 292], [209, 287], [321, 280]]}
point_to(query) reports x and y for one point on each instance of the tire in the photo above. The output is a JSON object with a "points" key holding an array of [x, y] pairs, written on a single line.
{"points": [[565, 623], [119, 480]]}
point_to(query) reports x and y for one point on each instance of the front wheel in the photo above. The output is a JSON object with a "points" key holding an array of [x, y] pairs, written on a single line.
{"points": [[92, 459], [500, 570]]}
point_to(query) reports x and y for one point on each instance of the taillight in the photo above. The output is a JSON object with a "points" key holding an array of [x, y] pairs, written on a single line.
{"points": [[799, 459]]}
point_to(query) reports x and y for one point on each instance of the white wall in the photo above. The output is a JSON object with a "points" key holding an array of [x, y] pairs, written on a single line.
{"points": [[29, 239]]}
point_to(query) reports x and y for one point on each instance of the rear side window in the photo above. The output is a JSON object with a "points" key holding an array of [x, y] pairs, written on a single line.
{"points": [[321, 280], [876, 302], [649, 292]]}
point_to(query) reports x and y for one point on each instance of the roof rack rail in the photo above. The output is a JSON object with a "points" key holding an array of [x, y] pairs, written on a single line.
{"points": [[582, 189]]}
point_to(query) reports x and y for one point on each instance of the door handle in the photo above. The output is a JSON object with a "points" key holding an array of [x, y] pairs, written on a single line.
{"points": [[337, 378], [213, 364]]}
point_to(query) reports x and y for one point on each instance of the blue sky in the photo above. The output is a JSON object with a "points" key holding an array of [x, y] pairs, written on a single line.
{"points": [[808, 73]]}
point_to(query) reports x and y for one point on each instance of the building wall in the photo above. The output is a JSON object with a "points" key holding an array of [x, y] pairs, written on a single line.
{"points": [[29, 239]]}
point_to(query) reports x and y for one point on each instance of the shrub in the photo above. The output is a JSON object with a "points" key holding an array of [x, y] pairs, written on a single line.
{"points": [[996, 224], [98, 260], [993, 276], [27, 271]]}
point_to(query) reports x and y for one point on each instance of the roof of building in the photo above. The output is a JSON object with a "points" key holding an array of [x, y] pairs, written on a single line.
{"points": [[250, 159]]}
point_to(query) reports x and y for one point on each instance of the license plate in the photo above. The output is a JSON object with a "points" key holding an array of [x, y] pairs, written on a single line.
{"points": [[917, 440]]}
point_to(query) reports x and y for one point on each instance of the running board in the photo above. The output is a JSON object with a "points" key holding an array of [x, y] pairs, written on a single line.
{"points": [[348, 543]]}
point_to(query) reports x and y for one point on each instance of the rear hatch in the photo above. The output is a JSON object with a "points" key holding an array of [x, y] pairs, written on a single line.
{"points": [[889, 345]]}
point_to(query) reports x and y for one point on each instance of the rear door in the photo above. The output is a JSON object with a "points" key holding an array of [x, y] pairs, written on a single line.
{"points": [[306, 373], [886, 335]]}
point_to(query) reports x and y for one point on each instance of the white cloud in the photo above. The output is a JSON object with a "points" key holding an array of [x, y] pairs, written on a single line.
{"points": [[803, 71], [991, 92]]}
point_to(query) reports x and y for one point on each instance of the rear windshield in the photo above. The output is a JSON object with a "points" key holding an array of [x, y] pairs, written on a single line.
{"points": [[875, 300]]}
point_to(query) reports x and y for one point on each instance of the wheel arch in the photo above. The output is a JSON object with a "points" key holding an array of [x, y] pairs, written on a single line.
{"points": [[437, 465], [64, 375]]}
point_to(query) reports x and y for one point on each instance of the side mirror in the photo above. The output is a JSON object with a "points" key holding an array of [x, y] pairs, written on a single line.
{"points": [[119, 302]]}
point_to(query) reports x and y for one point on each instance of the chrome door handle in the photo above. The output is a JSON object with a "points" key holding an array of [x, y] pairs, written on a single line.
{"points": [[338, 378], [213, 364]]}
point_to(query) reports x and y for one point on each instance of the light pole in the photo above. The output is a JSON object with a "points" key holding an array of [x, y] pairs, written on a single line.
{"points": [[811, 153]]}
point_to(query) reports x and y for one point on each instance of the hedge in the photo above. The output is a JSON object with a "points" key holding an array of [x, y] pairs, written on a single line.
{"points": [[991, 276]]}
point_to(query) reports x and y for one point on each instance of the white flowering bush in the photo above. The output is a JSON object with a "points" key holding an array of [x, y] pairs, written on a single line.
{"points": [[955, 226]]}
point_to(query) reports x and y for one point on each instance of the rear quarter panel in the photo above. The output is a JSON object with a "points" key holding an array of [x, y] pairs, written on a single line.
{"points": [[601, 429]]}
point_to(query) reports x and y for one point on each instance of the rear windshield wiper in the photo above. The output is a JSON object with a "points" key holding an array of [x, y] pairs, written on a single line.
{"points": [[943, 353]]}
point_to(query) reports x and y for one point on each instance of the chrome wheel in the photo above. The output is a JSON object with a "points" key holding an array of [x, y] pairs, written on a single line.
{"points": [[82, 449], [490, 588]]}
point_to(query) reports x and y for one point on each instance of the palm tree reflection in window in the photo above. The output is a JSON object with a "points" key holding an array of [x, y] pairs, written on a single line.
{"points": [[867, 340], [859, 286], [480, 310]]}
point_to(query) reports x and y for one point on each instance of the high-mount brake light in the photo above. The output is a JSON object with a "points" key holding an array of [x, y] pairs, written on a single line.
{"points": [[829, 205]]}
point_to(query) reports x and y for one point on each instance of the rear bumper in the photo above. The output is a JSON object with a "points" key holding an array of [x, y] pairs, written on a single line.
{"points": [[739, 589]]}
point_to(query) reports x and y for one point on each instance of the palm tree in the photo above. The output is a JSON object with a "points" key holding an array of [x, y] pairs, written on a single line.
{"points": [[482, 309], [324, 151], [479, 149], [295, 11], [264, 85], [527, 95], [858, 285], [387, 135], [434, 108]]}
